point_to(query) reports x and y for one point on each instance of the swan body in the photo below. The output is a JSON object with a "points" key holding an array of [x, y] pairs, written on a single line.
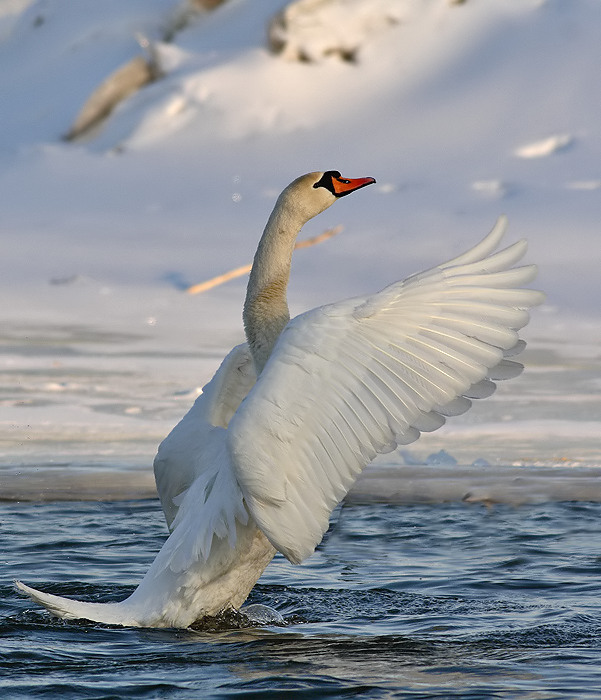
{"points": [[292, 416]]}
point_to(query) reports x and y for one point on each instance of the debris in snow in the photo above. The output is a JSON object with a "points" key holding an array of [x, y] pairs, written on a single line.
{"points": [[311, 30], [186, 14], [492, 188], [69, 279], [205, 4], [136, 73], [127, 79], [545, 147]]}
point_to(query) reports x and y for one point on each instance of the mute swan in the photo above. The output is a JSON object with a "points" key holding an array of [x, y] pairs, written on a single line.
{"points": [[292, 416]]}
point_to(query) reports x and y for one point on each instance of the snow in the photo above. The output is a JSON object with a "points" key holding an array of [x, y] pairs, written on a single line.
{"points": [[460, 111], [546, 147], [314, 30]]}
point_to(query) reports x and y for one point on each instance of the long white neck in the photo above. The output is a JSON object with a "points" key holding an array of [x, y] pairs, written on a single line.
{"points": [[266, 306]]}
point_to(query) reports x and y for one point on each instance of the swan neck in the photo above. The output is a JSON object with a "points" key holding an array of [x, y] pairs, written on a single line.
{"points": [[266, 310]]}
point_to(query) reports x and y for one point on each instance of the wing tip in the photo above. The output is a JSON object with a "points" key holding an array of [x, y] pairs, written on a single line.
{"points": [[483, 248]]}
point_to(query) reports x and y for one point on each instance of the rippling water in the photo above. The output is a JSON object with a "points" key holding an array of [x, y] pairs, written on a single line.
{"points": [[437, 601]]}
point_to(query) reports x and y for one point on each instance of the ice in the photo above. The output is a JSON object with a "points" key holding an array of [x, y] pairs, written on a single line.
{"points": [[441, 457], [72, 484], [480, 462], [509, 485]]}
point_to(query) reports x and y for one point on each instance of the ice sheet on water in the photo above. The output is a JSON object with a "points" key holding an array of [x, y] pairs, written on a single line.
{"points": [[394, 483], [71, 483], [83, 412], [476, 484]]}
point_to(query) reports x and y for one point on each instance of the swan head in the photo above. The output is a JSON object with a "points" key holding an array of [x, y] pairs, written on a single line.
{"points": [[265, 308], [310, 194]]}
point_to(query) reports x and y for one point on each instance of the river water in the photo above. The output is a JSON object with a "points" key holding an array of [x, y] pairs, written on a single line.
{"points": [[453, 600]]}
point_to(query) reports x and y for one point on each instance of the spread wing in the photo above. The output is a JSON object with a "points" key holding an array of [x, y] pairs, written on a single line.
{"points": [[353, 379], [192, 450]]}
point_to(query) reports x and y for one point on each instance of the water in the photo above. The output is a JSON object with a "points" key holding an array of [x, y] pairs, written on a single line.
{"points": [[444, 601]]}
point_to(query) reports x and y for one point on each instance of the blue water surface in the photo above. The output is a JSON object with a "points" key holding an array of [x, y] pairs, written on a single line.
{"points": [[444, 601]]}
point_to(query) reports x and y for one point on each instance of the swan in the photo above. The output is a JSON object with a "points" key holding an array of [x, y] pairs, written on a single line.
{"points": [[292, 416]]}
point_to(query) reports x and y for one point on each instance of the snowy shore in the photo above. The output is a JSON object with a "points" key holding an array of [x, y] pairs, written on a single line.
{"points": [[460, 111]]}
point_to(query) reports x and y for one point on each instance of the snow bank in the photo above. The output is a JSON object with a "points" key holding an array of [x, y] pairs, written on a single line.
{"points": [[460, 111]]}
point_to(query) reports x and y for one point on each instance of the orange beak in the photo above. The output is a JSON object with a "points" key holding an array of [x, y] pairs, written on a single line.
{"points": [[343, 185]]}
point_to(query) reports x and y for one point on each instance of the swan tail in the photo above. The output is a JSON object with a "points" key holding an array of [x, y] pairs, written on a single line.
{"points": [[68, 609]]}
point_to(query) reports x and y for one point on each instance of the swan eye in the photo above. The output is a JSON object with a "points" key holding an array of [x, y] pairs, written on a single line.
{"points": [[327, 181]]}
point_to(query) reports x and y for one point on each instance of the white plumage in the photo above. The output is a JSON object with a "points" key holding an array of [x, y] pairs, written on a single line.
{"points": [[258, 464]]}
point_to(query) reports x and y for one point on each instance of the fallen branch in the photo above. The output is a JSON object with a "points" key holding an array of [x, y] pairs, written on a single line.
{"points": [[244, 269], [123, 82]]}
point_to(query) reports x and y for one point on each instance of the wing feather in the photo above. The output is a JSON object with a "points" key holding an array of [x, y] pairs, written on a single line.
{"points": [[350, 380], [482, 249], [504, 279], [456, 407], [187, 453]]}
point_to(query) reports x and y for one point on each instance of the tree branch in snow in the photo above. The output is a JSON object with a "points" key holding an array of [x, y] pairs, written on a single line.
{"points": [[127, 79], [244, 269], [133, 75]]}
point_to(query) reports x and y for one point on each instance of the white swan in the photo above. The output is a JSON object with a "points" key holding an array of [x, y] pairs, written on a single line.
{"points": [[257, 465]]}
